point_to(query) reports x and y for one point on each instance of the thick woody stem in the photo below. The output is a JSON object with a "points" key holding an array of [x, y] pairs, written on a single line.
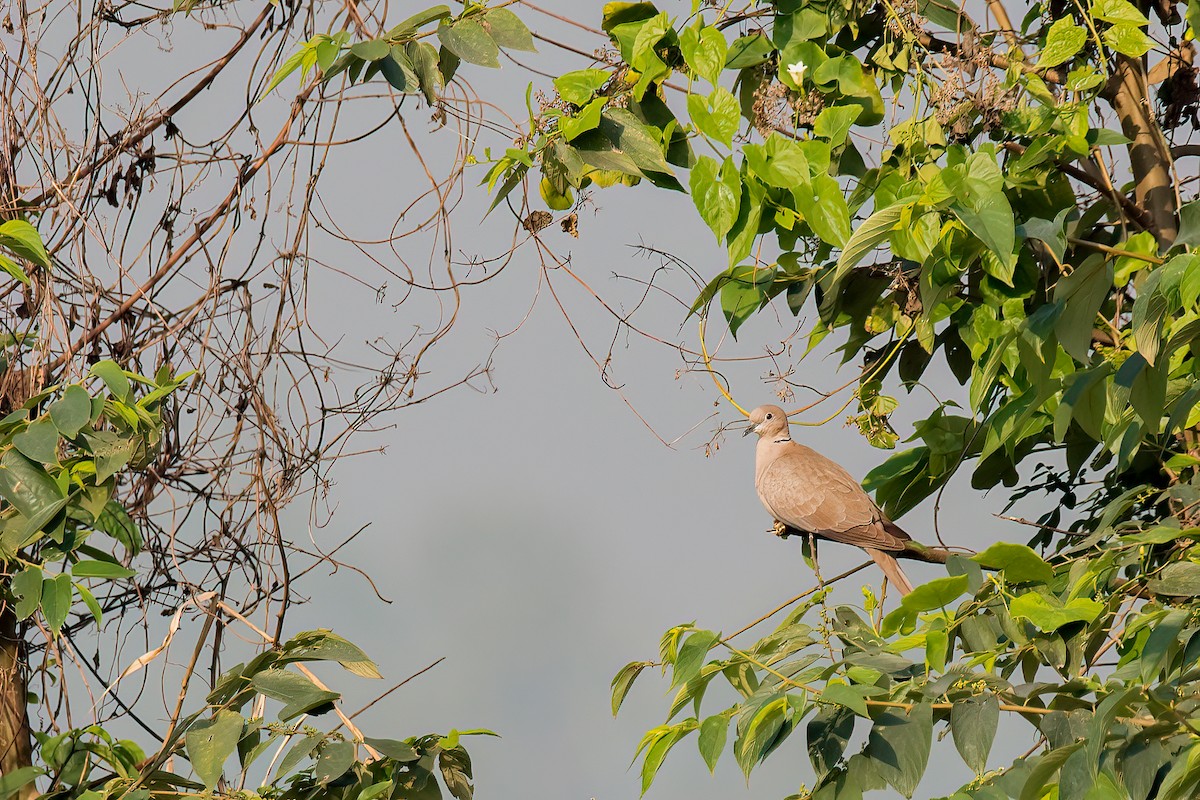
{"points": [[1149, 154], [16, 741]]}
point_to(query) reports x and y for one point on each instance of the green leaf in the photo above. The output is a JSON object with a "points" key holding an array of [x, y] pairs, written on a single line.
{"points": [[759, 732], [749, 51], [18, 778], [116, 522], [72, 411], [577, 87], [1180, 781], [1189, 213], [325, 645], [659, 742], [705, 51], [210, 742], [716, 191], [634, 138], [1149, 315], [716, 116], [1177, 579], [833, 123], [56, 601], [28, 488], [1082, 292], [1049, 618], [467, 39], [114, 378], [840, 694], [398, 71], [507, 30], [27, 589], [873, 232], [298, 693], [372, 49], [742, 235], [1064, 39], [1117, 12], [1051, 233], [1128, 40], [1019, 562], [15, 271], [937, 593], [335, 759], [824, 208], [420, 19], [393, 749], [829, 732], [587, 119], [692, 653], [424, 60], [899, 746], [990, 219], [297, 753], [292, 63], [22, 239], [39, 442], [973, 724], [101, 569], [713, 733], [743, 292], [89, 600], [112, 452], [455, 766], [624, 681]]}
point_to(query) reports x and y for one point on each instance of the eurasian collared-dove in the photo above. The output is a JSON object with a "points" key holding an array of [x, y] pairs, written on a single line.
{"points": [[808, 493]]}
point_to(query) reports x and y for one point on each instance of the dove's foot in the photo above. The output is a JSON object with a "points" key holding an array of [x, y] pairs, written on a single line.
{"points": [[780, 530]]}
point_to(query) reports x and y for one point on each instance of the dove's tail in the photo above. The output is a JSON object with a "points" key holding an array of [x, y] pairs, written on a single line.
{"points": [[891, 569]]}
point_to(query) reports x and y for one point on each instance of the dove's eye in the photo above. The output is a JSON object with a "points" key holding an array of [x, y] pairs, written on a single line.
{"points": [[770, 416]]}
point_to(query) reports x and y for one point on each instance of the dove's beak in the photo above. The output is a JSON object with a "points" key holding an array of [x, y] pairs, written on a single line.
{"points": [[749, 430]]}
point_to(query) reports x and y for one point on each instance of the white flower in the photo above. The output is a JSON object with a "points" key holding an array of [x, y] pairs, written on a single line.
{"points": [[796, 72]]}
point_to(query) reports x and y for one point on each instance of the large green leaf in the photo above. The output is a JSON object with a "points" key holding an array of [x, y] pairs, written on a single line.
{"points": [[28, 488], [325, 645], [56, 601], [335, 759], [71, 411], [210, 742], [623, 682], [899, 746], [824, 208], [1049, 616], [973, 723], [935, 594], [713, 733], [873, 232], [298, 694], [21, 238], [507, 30], [39, 442], [1178, 579], [27, 589], [1019, 562], [692, 653], [468, 40], [716, 193]]}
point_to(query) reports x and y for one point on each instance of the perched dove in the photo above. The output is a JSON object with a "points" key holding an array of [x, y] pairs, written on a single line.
{"points": [[808, 493]]}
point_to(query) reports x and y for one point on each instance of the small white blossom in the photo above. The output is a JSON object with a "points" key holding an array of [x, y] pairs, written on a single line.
{"points": [[796, 72]]}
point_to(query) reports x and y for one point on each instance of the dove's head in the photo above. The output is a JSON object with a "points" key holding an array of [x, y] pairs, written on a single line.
{"points": [[767, 421]]}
